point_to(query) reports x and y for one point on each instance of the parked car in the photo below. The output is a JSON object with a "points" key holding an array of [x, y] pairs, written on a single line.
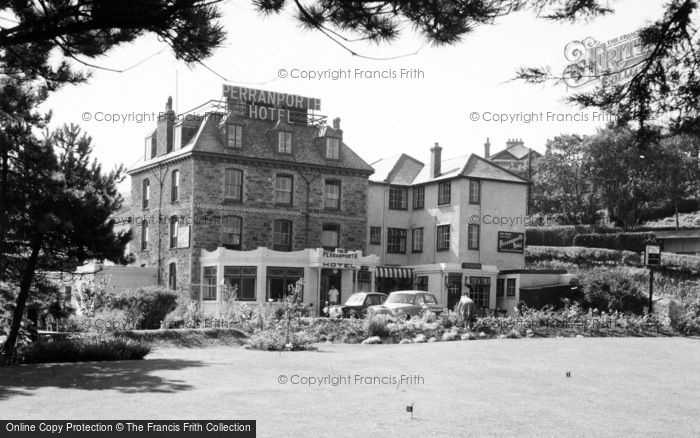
{"points": [[356, 305], [408, 303]]}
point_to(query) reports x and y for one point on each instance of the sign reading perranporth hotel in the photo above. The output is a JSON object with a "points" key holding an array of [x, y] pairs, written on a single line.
{"points": [[270, 105], [511, 242]]}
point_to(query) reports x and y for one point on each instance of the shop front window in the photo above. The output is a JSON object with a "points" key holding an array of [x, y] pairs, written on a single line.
{"points": [[480, 291], [280, 280], [243, 279]]}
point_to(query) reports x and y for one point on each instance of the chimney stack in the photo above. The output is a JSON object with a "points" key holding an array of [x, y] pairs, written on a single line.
{"points": [[487, 148], [435, 160], [514, 142], [164, 131]]}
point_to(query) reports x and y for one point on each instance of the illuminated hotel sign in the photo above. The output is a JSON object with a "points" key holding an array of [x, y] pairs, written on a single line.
{"points": [[270, 105]]}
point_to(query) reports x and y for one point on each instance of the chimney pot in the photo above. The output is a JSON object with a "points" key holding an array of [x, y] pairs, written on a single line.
{"points": [[435, 160], [487, 148], [336, 123]]}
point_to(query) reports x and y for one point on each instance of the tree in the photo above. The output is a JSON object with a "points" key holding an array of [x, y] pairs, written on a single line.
{"points": [[440, 22], [662, 96], [626, 180], [563, 182], [63, 205], [678, 170], [92, 27]]}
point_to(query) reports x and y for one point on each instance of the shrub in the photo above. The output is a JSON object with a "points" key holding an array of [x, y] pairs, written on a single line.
{"points": [[377, 325], [685, 317], [448, 319], [84, 350], [372, 340], [619, 241], [145, 306], [187, 312], [450, 336], [276, 340], [288, 333], [612, 291], [420, 338]]}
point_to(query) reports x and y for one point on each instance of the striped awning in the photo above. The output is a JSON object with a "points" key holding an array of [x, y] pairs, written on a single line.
{"points": [[391, 272]]}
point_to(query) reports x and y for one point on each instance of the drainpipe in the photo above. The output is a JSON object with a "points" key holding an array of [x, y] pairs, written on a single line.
{"points": [[385, 231], [161, 183]]}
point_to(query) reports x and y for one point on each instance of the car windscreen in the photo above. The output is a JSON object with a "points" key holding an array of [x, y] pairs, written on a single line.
{"points": [[355, 300], [373, 300], [400, 299], [429, 299]]}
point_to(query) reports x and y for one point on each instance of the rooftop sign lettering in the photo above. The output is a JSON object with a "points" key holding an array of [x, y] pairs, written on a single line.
{"points": [[271, 98]]}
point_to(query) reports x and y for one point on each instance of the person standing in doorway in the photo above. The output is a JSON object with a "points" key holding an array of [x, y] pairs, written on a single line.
{"points": [[333, 295]]}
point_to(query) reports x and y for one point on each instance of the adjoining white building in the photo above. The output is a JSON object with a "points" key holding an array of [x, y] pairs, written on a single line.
{"points": [[264, 275], [454, 223]]}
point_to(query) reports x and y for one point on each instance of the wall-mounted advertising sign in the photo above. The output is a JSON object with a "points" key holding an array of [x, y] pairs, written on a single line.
{"points": [[511, 242], [269, 105]]}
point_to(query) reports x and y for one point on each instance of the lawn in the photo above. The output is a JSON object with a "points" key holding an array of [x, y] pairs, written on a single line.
{"points": [[618, 387]]}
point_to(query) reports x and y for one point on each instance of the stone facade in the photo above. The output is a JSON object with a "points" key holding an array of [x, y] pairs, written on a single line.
{"points": [[202, 158]]}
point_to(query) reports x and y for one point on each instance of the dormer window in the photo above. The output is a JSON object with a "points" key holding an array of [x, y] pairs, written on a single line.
{"points": [[151, 147], [183, 134], [177, 140], [234, 136], [333, 148], [284, 142]]}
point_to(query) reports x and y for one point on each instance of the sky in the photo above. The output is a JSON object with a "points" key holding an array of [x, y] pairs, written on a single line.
{"points": [[453, 95]]}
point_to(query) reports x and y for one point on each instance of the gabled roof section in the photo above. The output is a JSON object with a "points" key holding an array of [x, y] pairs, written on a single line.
{"points": [[515, 152], [400, 169], [481, 168], [450, 167], [503, 155], [404, 170]]}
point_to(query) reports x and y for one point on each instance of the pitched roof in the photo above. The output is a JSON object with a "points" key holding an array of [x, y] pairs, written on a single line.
{"points": [[208, 139], [515, 152], [400, 170], [465, 165], [478, 167], [449, 168]]}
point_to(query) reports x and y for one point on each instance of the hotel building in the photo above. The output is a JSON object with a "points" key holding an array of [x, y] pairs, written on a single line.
{"points": [[256, 191], [457, 222]]}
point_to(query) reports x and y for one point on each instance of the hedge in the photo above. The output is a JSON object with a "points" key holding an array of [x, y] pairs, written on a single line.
{"points": [[560, 235], [668, 210], [581, 255], [145, 307], [600, 256], [618, 241], [681, 262], [84, 350]]}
